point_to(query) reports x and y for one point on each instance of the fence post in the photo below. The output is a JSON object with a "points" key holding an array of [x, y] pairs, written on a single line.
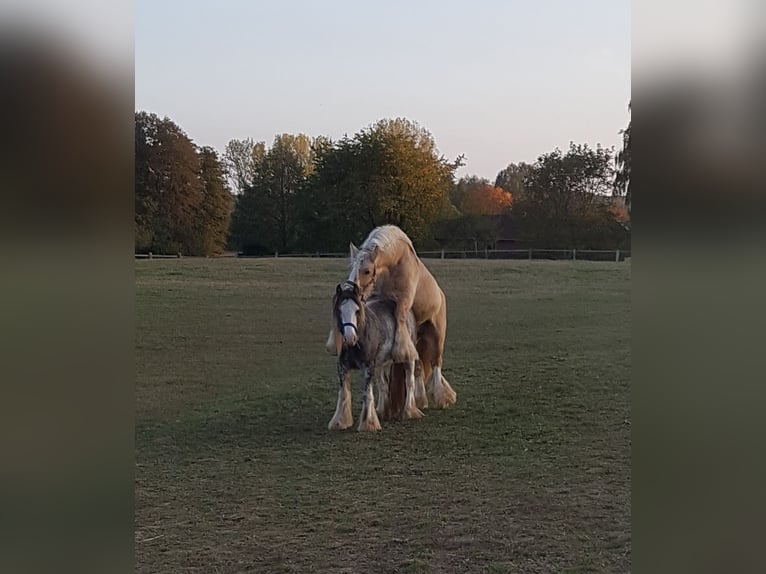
{"points": [[179, 255], [486, 254], [276, 253], [530, 254], [150, 255], [442, 252], [617, 256], [574, 254]]}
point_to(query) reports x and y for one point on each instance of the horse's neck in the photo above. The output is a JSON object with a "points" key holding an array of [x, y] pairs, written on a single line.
{"points": [[391, 256], [378, 327]]}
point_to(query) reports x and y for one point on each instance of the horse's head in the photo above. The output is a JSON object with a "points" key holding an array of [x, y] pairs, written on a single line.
{"points": [[363, 269], [348, 311]]}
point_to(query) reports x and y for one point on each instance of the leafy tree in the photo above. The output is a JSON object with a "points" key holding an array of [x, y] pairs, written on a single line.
{"points": [[328, 207], [241, 158], [566, 199], [265, 213], [182, 203], [169, 190], [622, 162], [214, 212], [512, 178], [390, 172]]}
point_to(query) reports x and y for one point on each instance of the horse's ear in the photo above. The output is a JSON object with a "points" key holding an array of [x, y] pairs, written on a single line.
{"points": [[353, 250], [337, 290]]}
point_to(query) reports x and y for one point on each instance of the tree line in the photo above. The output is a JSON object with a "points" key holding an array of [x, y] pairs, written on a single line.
{"points": [[304, 194]]}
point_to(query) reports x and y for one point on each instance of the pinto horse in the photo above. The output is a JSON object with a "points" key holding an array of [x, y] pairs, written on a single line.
{"points": [[367, 329]]}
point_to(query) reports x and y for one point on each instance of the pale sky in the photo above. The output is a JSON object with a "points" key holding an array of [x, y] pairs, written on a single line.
{"points": [[500, 81]]}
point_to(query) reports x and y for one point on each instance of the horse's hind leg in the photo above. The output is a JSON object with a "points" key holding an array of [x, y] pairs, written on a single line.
{"points": [[422, 371], [410, 409], [342, 419], [440, 392], [368, 420]]}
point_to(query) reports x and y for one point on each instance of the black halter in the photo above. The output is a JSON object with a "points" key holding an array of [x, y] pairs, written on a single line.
{"points": [[350, 285]]}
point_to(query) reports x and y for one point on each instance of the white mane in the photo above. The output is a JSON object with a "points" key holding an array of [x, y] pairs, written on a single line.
{"points": [[384, 237]]}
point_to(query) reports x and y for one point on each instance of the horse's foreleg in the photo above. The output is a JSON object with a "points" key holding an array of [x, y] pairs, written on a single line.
{"points": [[403, 350], [410, 409], [368, 420], [383, 392], [342, 419]]}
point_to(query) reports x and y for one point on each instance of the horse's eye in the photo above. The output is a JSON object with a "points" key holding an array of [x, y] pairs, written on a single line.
{"points": [[367, 272]]}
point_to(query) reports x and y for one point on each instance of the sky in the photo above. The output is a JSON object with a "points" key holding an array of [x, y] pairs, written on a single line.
{"points": [[499, 81]]}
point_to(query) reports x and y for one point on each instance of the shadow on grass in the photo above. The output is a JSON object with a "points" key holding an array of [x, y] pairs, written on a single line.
{"points": [[272, 420]]}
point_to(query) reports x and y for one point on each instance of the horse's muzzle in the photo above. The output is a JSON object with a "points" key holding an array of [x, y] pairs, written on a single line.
{"points": [[350, 334]]}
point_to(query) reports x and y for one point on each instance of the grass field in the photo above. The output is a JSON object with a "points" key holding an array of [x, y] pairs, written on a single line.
{"points": [[236, 472]]}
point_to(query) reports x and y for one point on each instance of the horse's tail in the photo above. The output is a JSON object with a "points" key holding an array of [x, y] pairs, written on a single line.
{"points": [[397, 390]]}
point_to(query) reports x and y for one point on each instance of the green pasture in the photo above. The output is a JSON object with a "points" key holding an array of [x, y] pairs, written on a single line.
{"points": [[236, 472]]}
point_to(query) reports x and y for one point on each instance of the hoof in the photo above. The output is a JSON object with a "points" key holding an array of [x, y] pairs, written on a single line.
{"points": [[415, 413], [369, 427], [442, 395], [338, 425]]}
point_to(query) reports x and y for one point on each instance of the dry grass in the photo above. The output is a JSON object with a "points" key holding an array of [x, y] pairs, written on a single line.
{"points": [[529, 472]]}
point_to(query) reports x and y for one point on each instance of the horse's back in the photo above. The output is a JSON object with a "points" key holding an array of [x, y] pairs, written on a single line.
{"points": [[385, 309], [379, 304]]}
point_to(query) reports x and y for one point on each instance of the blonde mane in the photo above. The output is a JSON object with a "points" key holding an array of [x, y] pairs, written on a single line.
{"points": [[384, 238]]}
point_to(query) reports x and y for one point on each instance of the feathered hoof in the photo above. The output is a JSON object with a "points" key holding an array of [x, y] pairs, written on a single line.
{"points": [[442, 395], [369, 426], [414, 413]]}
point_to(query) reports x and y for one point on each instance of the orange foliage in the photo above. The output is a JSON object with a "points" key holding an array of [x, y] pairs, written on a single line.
{"points": [[485, 200], [620, 213]]}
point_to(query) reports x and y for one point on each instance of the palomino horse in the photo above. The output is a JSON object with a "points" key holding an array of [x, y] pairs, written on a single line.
{"points": [[366, 330], [387, 265]]}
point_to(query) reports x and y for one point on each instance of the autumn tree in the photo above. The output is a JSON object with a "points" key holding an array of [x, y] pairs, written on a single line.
{"points": [[477, 196], [214, 213], [473, 221], [168, 187], [182, 203]]}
